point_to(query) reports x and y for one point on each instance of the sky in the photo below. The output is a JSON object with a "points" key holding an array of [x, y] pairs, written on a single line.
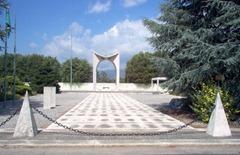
{"points": [[104, 26]]}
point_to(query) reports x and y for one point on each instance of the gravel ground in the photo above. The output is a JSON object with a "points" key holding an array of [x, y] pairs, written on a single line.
{"points": [[64, 102]]}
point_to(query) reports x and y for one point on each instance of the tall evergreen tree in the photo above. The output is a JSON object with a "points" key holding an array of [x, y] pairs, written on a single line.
{"points": [[48, 74], [140, 69], [202, 37], [82, 71]]}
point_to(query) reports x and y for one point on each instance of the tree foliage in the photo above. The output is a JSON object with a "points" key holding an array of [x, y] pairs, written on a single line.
{"points": [[202, 38], [48, 74], [35, 69], [21, 88], [140, 69], [3, 5], [204, 100], [81, 71]]}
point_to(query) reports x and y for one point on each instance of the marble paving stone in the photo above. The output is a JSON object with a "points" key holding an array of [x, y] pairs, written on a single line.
{"points": [[115, 111]]}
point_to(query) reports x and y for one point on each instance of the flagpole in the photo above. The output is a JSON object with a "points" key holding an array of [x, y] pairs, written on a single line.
{"points": [[71, 64], [14, 61], [5, 73]]}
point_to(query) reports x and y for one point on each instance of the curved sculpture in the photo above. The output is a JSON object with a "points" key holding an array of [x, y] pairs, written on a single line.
{"points": [[114, 58]]}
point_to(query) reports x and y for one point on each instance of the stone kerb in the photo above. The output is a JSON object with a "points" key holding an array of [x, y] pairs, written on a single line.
{"points": [[49, 97]]}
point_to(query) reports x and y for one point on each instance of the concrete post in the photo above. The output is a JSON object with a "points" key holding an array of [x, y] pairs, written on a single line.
{"points": [[26, 125], [218, 124], [49, 97], [151, 83]]}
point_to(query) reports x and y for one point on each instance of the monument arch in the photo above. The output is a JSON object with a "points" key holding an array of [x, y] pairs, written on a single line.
{"points": [[114, 59]]}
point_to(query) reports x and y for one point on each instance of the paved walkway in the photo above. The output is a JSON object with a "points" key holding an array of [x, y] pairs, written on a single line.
{"points": [[115, 112]]}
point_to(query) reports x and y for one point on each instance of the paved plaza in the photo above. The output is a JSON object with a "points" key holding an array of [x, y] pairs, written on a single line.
{"points": [[115, 112]]}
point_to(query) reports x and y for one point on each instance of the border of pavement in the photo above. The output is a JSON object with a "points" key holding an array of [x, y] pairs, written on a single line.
{"points": [[10, 130], [107, 143]]}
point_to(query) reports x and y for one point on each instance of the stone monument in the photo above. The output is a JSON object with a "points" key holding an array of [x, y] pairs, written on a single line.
{"points": [[114, 58], [49, 97]]}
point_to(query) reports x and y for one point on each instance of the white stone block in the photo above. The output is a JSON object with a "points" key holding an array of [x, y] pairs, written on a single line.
{"points": [[218, 124], [49, 97]]}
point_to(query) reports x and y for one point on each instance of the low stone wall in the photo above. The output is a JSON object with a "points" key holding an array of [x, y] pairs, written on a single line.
{"points": [[109, 87]]}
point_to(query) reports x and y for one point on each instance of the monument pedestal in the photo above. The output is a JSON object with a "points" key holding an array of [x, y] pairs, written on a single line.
{"points": [[49, 97]]}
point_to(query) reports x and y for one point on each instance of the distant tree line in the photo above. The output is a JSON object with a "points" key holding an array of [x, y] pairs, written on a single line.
{"points": [[40, 71]]}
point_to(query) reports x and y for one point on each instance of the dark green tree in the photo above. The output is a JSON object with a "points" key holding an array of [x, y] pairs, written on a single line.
{"points": [[3, 6], [47, 74], [202, 38], [140, 69], [81, 70], [37, 70], [21, 88]]}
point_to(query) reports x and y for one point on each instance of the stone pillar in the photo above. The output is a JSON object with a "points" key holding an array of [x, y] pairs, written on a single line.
{"points": [[95, 64], [218, 124], [116, 62], [49, 97]]}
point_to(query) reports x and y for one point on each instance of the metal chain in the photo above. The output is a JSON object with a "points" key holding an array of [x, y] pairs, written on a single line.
{"points": [[113, 134], [10, 117]]}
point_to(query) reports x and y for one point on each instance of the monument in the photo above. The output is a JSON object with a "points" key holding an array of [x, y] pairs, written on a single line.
{"points": [[114, 58], [49, 97]]}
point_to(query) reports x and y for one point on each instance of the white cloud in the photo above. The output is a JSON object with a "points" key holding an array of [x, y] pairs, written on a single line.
{"points": [[60, 45], [128, 37], [131, 3], [99, 7], [33, 45]]}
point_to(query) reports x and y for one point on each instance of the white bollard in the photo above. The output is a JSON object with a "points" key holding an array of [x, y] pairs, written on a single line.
{"points": [[49, 97], [26, 125], [218, 124]]}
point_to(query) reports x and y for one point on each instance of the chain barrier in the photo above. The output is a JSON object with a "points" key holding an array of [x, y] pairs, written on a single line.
{"points": [[157, 133], [10, 117]]}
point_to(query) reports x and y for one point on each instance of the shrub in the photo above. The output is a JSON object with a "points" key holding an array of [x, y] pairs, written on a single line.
{"points": [[21, 88], [203, 102]]}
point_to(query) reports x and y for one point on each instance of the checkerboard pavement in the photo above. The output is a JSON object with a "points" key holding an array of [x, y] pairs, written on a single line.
{"points": [[115, 112]]}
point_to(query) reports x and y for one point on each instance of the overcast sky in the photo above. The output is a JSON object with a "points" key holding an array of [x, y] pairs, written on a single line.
{"points": [[104, 26]]}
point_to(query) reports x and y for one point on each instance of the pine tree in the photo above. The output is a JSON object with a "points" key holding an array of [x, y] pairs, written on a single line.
{"points": [[81, 71], [202, 37], [140, 69]]}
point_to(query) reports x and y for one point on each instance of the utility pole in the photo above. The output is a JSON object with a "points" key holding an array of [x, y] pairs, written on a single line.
{"points": [[71, 63], [14, 62]]}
